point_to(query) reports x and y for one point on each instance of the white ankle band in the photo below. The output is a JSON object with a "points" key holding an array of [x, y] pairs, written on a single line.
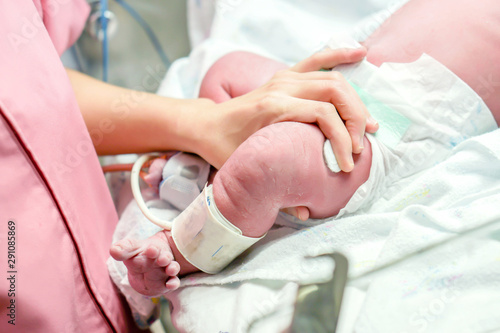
{"points": [[206, 238]]}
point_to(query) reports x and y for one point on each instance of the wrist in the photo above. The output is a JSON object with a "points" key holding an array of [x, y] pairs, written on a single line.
{"points": [[196, 126]]}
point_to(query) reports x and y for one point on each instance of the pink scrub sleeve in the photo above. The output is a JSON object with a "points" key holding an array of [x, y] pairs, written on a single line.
{"points": [[56, 213], [63, 19]]}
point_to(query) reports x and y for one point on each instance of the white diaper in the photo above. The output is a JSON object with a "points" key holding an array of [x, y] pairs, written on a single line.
{"points": [[423, 109]]}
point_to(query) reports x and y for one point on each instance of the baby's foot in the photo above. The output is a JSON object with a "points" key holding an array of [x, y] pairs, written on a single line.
{"points": [[153, 178], [152, 270]]}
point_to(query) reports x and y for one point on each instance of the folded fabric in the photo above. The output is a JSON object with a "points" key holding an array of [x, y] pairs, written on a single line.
{"points": [[449, 198]]}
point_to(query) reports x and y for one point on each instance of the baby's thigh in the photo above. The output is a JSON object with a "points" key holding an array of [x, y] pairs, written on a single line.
{"points": [[284, 162], [423, 26], [443, 29]]}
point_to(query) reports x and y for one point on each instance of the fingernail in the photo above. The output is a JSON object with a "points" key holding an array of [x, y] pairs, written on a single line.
{"points": [[343, 41], [361, 142], [372, 120], [350, 164], [325, 48]]}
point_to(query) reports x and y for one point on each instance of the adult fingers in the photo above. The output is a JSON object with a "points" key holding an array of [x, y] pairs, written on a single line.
{"points": [[325, 115], [341, 140], [337, 91], [332, 87], [329, 58], [300, 212]]}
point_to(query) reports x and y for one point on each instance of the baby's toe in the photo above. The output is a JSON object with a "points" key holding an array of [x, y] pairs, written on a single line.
{"points": [[125, 249], [173, 269], [152, 252], [173, 283], [164, 259]]}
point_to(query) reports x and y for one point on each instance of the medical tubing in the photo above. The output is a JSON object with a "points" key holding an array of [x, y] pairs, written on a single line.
{"points": [[148, 30], [136, 191]]}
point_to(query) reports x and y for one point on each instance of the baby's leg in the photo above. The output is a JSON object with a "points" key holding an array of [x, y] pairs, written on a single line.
{"points": [[463, 35], [150, 263], [282, 166]]}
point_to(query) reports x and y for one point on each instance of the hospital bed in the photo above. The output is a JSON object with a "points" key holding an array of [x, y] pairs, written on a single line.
{"points": [[430, 263]]}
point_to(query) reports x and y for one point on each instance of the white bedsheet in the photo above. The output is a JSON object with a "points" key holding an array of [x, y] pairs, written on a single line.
{"points": [[455, 289]]}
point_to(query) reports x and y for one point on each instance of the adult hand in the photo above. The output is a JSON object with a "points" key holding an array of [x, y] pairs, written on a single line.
{"points": [[300, 93]]}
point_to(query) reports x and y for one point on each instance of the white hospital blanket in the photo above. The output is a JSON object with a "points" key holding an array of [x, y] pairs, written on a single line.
{"points": [[456, 290]]}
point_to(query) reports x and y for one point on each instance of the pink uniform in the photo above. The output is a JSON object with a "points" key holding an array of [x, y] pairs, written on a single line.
{"points": [[53, 194]]}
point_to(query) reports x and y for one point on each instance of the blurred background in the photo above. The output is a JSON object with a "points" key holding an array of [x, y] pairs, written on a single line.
{"points": [[132, 55]]}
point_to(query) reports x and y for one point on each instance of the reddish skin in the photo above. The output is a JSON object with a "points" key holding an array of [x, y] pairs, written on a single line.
{"points": [[236, 74], [463, 35]]}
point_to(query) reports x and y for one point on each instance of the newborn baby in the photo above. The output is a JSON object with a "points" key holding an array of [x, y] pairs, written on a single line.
{"points": [[282, 166]]}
